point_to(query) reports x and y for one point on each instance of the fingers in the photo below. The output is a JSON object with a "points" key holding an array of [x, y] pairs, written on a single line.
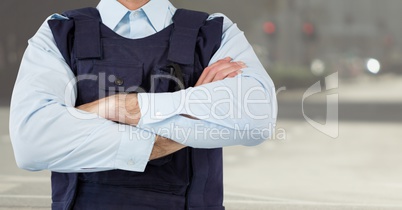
{"points": [[219, 62], [220, 70], [217, 70], [233, 74], [233, 69], [209, 68]]}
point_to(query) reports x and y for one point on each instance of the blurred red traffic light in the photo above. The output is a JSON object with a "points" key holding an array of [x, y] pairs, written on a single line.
{"points": [[308, 29], [269, 28]]}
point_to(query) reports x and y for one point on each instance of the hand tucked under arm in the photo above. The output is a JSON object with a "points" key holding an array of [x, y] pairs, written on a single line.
{"points": [[163, 147]]}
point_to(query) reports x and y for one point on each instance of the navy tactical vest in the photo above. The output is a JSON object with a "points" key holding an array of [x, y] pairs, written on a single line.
{"points": [[187, 179]]}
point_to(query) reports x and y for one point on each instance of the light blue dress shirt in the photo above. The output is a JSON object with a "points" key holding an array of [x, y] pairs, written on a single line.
{"points": [[47, 132]]}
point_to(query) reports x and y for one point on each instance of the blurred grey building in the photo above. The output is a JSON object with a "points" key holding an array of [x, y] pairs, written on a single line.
{"points": [[296, 32], [341, 29], [19, 21]]}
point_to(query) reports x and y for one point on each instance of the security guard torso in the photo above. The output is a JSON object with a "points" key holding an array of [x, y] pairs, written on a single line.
{"points": [[105, 64]]}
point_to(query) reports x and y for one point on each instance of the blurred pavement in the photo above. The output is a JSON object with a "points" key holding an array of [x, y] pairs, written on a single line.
{"points": [[301, 168]]}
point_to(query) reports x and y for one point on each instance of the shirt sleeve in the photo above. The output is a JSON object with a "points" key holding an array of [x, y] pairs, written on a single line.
{"points": [[246, 103], [47, 132]]}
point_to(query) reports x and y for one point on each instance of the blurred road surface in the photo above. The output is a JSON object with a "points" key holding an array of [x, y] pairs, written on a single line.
{"points": [[301, 168]]}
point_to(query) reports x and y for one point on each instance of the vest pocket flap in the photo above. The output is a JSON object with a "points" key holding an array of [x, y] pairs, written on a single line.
{"points": [[119, 78], [164, 80]]}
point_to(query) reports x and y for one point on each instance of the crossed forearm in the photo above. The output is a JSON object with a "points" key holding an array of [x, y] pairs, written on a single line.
{"points": [[124, 108]]}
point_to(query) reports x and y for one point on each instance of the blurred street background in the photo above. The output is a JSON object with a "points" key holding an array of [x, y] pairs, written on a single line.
{"points": [[337, 66]]}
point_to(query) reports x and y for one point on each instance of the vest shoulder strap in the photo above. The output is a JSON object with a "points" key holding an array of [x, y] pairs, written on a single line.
{"points": [[83, 13], [63, 35], [87, 38], [187, 24], [80, 32]]}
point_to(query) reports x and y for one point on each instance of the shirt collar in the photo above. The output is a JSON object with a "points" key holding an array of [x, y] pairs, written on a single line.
{"points": [[112, 12], [156, 11]]}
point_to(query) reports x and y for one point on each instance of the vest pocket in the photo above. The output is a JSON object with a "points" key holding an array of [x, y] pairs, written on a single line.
{"points": [[163, 79], [119, 78], [99, 80]]}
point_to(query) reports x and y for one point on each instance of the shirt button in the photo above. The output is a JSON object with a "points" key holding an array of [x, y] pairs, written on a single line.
{"points": [[118, 82], [130, 162]]}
